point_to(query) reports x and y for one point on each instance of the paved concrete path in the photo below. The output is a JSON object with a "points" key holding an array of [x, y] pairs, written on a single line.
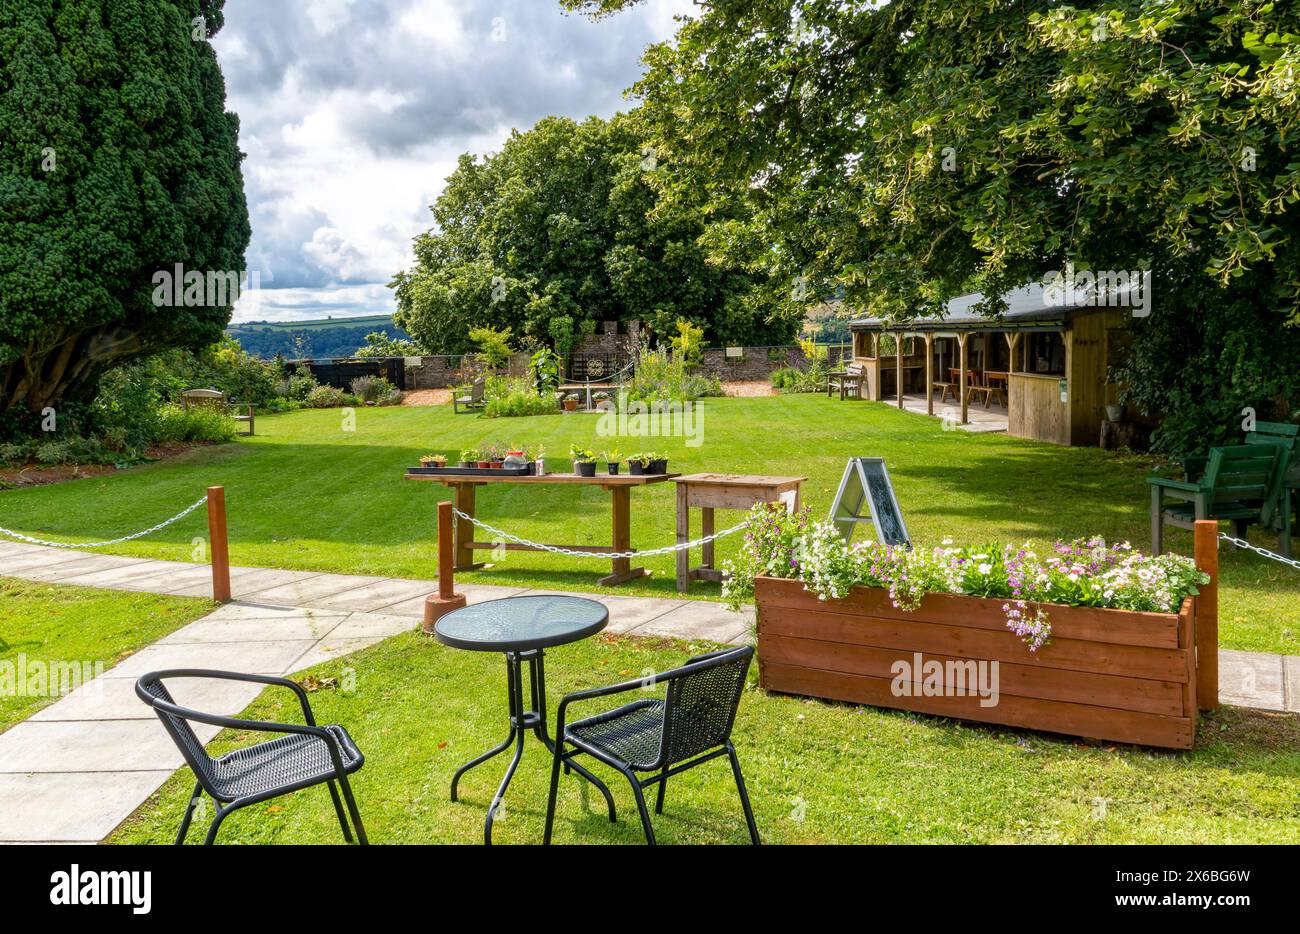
{"points": [[61, 770]]}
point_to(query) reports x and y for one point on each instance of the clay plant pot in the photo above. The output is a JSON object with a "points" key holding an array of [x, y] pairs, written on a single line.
{"points": [[483, 465], [570, 405]]}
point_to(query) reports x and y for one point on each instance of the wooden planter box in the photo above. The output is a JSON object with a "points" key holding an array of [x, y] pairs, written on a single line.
{"points": [[1107, 674]]}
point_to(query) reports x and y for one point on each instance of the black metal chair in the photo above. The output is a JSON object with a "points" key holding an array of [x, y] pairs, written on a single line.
{"points": [[690, 726], [306, 755]]}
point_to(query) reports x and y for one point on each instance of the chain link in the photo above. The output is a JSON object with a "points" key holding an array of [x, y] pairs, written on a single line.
{"points": [[116, 541], [1242, 543], [560, 550]]}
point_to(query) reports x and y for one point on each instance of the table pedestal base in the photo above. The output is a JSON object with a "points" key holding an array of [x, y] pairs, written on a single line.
{"points": [[521, 722]]}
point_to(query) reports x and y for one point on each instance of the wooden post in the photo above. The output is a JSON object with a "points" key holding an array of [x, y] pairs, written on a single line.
{"points": [[929, 373], [447, 599], [961, 378], [218, 544], [683, 535], [898, 367], [1206, 539]]}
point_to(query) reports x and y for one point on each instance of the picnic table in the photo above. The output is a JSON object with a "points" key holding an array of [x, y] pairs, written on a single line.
{"points": [[710, 491], [620, 486]]}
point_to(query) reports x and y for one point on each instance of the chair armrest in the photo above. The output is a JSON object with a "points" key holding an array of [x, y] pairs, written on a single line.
{"points": [[1177, 485], [236, 676]]}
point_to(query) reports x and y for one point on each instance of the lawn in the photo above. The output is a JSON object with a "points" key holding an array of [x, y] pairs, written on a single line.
{"points": [[817, 772], [81, 625], [308, 494]]}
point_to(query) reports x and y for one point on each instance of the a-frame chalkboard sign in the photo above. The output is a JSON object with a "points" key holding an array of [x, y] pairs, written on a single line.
{"points": [[866, 487]]}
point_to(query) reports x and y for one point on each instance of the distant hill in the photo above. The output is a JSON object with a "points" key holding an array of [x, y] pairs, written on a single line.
{"points": [[320, 337]]}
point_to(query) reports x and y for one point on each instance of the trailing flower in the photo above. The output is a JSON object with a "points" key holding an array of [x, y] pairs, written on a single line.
{"points": [[1085, 572]]}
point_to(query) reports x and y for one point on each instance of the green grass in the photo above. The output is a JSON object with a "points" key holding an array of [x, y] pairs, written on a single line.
{"points": [[817, 772], [306, 494], [49, 624]]}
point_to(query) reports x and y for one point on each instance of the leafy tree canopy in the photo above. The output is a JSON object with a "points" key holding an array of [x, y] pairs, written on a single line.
{"points": [[565, 227], [912, 151], [118, 161]]}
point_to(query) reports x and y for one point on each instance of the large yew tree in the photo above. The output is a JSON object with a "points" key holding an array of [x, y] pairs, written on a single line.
{"points": [[118, 160]]}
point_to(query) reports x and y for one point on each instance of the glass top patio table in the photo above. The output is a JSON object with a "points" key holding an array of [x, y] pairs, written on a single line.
{"points": [[519, 624]]}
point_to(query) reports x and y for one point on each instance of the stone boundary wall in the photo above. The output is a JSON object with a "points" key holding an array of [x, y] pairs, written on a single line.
{"points": [[754, 365]]}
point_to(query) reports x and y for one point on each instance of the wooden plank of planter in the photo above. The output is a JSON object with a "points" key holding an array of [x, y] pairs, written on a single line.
{"points": [[1093, 624], [918, 634], [1123, 726], [1100, 690]]}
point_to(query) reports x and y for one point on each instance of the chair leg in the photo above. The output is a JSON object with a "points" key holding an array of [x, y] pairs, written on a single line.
{"points": [[659, 798], [744, 795], [211, 838], [189, 813], [555, 789], [640, 806], [1157, 520], [338, 809], [352, 809]]}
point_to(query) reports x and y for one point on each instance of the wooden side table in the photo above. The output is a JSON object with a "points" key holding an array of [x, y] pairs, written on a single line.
{"points": [[710, 491]]}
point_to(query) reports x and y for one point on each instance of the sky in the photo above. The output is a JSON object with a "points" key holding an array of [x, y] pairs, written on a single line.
{"points": [[353, 112]]}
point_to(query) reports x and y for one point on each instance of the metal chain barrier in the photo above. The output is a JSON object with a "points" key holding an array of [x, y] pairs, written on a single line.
{"points": [[1242, 543], [604, 555], [116, 541]]}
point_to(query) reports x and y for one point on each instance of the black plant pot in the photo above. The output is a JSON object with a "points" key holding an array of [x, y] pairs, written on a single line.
{"points": [[659, 465], [584, 468], [635, 468], [613, 470], [467, 463]]}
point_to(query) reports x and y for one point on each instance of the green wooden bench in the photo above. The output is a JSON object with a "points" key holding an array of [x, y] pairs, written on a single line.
{"points": [[1283, 433], [1241, 483]]}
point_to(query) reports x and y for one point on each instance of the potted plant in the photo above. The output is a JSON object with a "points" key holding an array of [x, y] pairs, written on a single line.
{"points": [[601, 399], [468, 457], [433, 460], [613, 458], [658, 464], [637, 464], [571, 402], [584, 462], [484, 458]]}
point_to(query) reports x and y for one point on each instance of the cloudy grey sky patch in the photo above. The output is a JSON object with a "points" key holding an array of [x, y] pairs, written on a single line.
{"points": [[353, 112]]}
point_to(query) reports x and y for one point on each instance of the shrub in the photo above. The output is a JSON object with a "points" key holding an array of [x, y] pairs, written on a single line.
{"points": [[376, 389], [505, 397], [661, 378], [326, 397], [201, 423], [15, 454]]}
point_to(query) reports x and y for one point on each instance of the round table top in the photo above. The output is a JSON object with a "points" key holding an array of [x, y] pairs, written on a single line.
{"points": [[519, 624]]}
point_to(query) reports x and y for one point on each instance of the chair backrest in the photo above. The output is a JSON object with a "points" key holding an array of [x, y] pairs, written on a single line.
{"points": [[476, 390], [1281, 433], [700, 707], [149, 688], [1245, 473], [209, 397]]}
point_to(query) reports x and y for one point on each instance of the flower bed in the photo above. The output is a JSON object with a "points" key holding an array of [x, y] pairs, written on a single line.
{"points": [[1094, 639]]}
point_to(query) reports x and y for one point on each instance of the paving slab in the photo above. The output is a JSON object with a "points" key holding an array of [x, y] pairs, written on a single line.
{"points": [[330, 649], [697, 620], [243, 581], [69, 746], [1251, 679], [267, 658], [120, 576], [299, 593], [10, 548], [115, 699], [24, 563], [71, 807], [241, 609], [175, 576], [302, 626], [372, 626], [474, 593], [374, 597], [88, 565]]}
